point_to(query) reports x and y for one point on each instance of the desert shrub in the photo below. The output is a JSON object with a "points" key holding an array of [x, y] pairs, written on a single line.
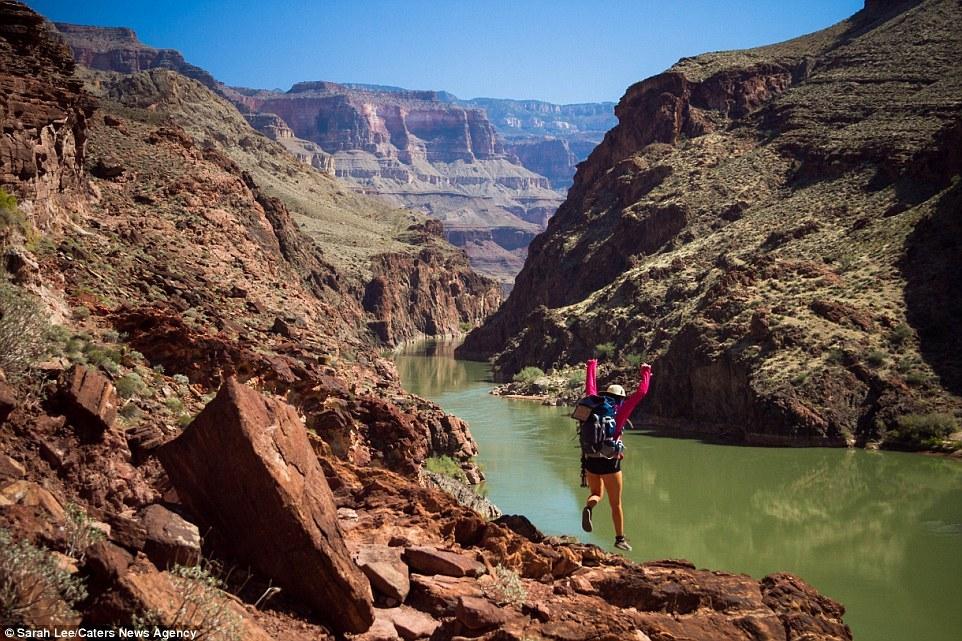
{"points": [[915, 378], [130, 411], [7, 200], [799, 378], [900, 334], [635, 359], [80, 313], [34, 589], [180, 379], [23, 331], [835, 356], [922, 430], [605, 350], [875, 358], [446, 466], [79, 532], [465, 326], [13, 220], [576, 379], [506, 589], [174, 404], [130, 385], [201, 607], [528, 374]]}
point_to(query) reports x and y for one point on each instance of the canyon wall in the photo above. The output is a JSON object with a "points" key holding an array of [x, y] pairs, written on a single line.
{"points": [[755, 226], [417, 150], [45, 111]]}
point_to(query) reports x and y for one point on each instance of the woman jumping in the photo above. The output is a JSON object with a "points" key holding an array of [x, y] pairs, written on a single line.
{"points": [[604, 473]]}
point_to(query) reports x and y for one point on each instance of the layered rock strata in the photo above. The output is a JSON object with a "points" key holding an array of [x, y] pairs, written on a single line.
{"points": [[754, 225], [44, 112]]}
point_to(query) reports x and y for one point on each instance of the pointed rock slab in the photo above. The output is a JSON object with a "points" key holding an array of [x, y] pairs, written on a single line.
{"points": [[385, 569], [90, 401], [245, 467], [430, 560]]}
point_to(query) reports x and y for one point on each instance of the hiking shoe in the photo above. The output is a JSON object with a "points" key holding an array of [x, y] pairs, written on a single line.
{"points": [[622, 544], [586, 519]]}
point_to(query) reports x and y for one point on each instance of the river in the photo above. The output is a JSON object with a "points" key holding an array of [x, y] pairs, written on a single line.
{"points": [[881, 532]]}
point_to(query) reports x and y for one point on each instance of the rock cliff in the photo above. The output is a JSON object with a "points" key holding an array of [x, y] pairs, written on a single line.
{"points": [[755, 225], [548, 139], [44, 113], [118, 49], [415, 149]]}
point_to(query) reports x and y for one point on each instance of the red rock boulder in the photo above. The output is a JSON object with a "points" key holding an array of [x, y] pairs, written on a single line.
{"points": [[246, 468], [89, 400]]}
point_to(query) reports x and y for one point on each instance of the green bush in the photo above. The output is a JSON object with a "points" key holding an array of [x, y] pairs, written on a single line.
{"points": [[635, 359], [922, 430], [900, 334], [200, 606], [506, 588], [576, 379], [835, 356], [130, 385], [34, 589], [915, 378], [446, 466], [13, 220], [875, 358], [605, 350], [23, 331], [129, 411], [528, 374], [79, 532]]}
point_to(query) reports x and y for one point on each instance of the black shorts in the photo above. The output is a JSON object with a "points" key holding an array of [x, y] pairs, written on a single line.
{"points": [[603, 465]]}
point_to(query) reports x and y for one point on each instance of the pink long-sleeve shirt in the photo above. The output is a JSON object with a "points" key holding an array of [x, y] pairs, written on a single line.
{"points": [[629, 404]]}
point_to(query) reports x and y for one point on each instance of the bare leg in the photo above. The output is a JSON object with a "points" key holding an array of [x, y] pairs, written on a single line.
{"points": [[613, 483], [596, 488]]}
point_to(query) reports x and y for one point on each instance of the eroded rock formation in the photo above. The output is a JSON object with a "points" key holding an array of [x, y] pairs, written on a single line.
{"points": [[269, 494], [44, 112], [749, 225]]}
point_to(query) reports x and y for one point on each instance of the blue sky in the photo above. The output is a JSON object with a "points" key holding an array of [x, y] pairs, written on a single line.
{"points": [[561, 51]]}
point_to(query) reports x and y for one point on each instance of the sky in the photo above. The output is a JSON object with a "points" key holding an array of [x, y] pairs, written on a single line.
{"points": [[562, 51]]}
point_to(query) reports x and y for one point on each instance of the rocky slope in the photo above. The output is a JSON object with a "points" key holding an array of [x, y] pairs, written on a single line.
{"points": [[775, 229]]}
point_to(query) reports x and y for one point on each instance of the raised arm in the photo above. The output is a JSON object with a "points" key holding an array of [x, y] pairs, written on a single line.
{"points": [[624, 412], [591, 369]]}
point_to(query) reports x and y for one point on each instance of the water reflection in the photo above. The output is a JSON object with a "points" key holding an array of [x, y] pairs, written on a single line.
{"points": [[881, 532]]}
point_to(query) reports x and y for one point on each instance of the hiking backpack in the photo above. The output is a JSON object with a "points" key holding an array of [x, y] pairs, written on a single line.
{"points": [[596, 427]]}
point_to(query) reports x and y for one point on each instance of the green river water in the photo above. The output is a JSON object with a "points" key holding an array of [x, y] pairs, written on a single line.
{"points": [[881, 532]]}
